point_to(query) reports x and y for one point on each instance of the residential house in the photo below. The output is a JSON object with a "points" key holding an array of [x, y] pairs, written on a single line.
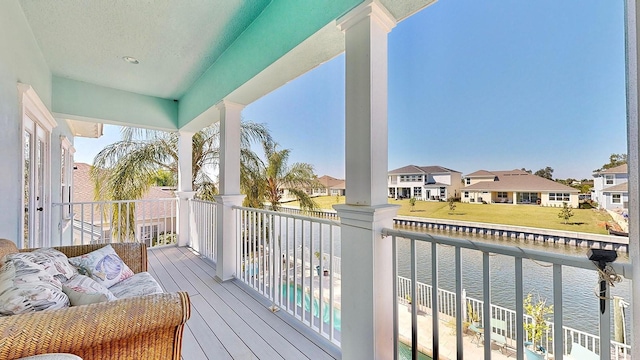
{"points": [[610, 189], [516, 187], [153, 215], [424, 183], [330, 186]]}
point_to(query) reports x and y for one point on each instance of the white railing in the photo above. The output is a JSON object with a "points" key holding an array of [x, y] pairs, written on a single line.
{"points": [[147, 221], [278, 257], [447, 308], [203, 236], [451, 304], [336, 264]]}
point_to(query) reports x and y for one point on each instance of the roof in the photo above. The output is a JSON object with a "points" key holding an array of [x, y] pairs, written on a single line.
{"points": [[480, 173], [517, 180], [620, 169], [624, 187], [83, 193], [413, 169]]}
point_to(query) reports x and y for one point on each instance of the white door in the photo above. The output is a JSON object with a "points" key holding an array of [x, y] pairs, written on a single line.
{"points": [[36, 196]]}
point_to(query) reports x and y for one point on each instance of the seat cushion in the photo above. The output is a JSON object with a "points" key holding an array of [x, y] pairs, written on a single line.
{"points": [[137, 285], [102, 265]]}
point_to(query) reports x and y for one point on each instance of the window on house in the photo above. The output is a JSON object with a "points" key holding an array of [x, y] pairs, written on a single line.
{"points": [[466, 194], [417, 192], [616, 199], [608, 179], [467, 181], [502, 194], [148, 232], [559, 197]]}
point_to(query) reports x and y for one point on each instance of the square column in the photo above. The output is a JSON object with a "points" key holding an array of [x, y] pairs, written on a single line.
{"points": [[366, 28], [229, 190], [185, 179], [367, 278], [632, 14]]}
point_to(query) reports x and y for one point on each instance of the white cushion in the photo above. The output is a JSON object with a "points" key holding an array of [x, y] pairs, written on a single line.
{"points": [[138, 285]]}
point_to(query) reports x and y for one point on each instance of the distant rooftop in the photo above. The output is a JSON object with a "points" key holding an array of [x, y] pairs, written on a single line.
{"points": [[414, 169]]}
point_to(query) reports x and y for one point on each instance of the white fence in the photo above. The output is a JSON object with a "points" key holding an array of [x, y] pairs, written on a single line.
{"points": [[148, 221], [447, 307], [203, 217], [451, 303], [279, 257]]}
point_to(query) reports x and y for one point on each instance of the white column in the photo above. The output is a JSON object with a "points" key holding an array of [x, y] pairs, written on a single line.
{"points": [[633, 133], [367, 278], [185, 191], [229, 189]]}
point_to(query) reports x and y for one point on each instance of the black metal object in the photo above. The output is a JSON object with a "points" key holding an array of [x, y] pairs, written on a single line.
{"points": [[601, 258]]}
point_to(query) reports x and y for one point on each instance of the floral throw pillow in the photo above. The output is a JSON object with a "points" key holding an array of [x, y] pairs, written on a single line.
{"points": [[26, 286], [83, 290], [56, 263], [102, 265]]}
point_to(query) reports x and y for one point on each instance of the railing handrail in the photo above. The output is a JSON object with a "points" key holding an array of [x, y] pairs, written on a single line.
{"points": [[292, 216], [623, 269], [100, 202]]}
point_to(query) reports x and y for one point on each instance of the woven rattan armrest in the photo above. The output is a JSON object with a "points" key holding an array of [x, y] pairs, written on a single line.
{"points": [[145, 327]]}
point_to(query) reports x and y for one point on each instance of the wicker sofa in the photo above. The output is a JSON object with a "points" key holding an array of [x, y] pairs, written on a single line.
{"points": [[144, 327]]}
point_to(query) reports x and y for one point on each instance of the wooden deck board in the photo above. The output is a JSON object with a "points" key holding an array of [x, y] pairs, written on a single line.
{"points": [[227, 322]]}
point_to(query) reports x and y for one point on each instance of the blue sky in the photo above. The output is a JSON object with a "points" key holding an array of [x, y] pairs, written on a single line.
{"points": [[492, 85]]}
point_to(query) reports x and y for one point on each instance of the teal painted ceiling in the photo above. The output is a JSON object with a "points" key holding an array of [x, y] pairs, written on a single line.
{"points": [[195, 51], [175, 41]]}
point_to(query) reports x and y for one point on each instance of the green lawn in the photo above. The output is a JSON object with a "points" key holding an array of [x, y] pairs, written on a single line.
{"points": [[584, 220]]}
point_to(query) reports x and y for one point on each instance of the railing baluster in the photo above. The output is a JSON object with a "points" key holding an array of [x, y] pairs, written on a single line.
{"points": [[486, 313], [434, 300], [519, 309], [414, 302], [459, 309], [558, 348], [394, 257]]}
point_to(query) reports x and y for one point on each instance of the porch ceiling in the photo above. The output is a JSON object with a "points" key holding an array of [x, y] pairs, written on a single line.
{"points": [[195, 51], [175, 41]]}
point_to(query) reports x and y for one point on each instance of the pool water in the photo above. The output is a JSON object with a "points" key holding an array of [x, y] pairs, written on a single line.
{"points": [[314, 308], [404, 353]]}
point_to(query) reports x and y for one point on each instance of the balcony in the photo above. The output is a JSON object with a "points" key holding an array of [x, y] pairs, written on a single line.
{"points": [[285, 299]]}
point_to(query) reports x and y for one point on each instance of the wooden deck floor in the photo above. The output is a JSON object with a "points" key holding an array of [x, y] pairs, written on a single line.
{"points": [[227, 320]]}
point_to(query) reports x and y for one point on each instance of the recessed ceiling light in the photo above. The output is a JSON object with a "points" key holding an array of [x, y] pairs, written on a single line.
{"points": [[130, 60]]}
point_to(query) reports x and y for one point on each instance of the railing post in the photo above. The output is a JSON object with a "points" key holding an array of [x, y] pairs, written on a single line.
{"points": [[184, 193], [633, 155], [184, 217], [226, 235]]}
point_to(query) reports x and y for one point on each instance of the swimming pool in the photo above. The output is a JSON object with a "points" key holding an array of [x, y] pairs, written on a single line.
{"points": [[314, 308]]}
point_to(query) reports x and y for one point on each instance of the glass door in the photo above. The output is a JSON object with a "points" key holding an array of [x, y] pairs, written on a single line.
{"points": [[36, 145]]}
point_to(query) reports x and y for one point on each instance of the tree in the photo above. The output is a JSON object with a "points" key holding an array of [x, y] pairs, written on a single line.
{"points": [[538, 312], [127, 169], [565, 213], [529, 171], [546, 173], [614, 160], [412, 202], [265, 181], [452, 204]]}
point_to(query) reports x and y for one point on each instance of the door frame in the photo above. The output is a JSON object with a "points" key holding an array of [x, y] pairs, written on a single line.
{"points": [[33, 109]]}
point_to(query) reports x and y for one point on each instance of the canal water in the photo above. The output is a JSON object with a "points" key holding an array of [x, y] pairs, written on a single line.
{"points": [[580, 303]]}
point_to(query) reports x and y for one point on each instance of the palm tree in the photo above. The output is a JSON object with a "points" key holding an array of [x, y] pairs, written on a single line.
{"points": [[127, 169], [264, 182]]}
